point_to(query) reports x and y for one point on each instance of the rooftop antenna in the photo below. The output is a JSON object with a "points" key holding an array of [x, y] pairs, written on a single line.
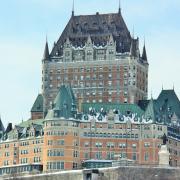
{"points": [[73, 9], [46, 38], [119, 6]]}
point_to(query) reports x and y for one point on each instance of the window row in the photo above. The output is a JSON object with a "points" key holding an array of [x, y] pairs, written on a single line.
{"points": [[105, 135], [55, 165], [55, 152]]}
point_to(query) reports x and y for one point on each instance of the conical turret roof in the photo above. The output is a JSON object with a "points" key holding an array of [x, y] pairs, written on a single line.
{"points": [[144, 54], [64, 103], [46, 51]]}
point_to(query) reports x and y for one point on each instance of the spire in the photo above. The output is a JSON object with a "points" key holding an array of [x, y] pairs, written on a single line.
{"points": [[151, 94], [133, 32], [111, 39], [73, 9], [64, 103], [46, 51], [144, 54], [119, 11], [89, 40], [133, 48]]}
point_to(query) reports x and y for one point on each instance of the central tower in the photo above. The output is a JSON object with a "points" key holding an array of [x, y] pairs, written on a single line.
{"points": [[99, 58]]}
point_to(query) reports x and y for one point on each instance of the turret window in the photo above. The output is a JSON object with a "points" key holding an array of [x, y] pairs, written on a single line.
{"points": [[111, 51], [89, 52]]}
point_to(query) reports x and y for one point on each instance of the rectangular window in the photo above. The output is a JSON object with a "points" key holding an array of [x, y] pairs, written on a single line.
{"points": [[55, 165], [75, 154], [86, 155], [110, 155], [60, 142], [50, 142], [146, 156], [134, 156], [55, 152], [98, 155]]}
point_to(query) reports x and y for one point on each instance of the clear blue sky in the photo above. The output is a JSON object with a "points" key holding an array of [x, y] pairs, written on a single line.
{"points": [[24, 25]]}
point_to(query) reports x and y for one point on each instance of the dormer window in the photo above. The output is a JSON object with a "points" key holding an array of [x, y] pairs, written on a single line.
{"points": [[128, 112], [111, 51], [100, 117], [86, 117], [169, 108], [89, 52]]}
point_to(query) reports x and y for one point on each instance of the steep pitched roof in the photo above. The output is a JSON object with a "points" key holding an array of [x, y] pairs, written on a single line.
{"points": [[38, 104], [65, 95], [151, 111], [64, 104], [162, 109], [99, 27], [1, 126], [143, 104], [9, 128], [169, 101]]}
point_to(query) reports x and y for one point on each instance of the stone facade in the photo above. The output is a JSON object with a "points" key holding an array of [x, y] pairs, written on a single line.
{"points": [[101, 66], [174, 141]]}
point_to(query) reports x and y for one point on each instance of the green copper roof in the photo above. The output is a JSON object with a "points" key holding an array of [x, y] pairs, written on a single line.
{"points": [[151, 110], [123, 108], [38, 104], [29, 122], [64, 104], [169, 98], [162, 109]]}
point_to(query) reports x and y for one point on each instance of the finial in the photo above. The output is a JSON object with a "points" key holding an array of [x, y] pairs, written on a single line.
{"points": [[173, 86], [133, 33], [119, 6], [46, 50], [144, 41], [73, 9], [162, 87], [46, 38], [151, 94]]}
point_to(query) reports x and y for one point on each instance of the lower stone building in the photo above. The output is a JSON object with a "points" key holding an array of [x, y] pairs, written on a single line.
{"points": [[174, 141], [66, 137]]}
